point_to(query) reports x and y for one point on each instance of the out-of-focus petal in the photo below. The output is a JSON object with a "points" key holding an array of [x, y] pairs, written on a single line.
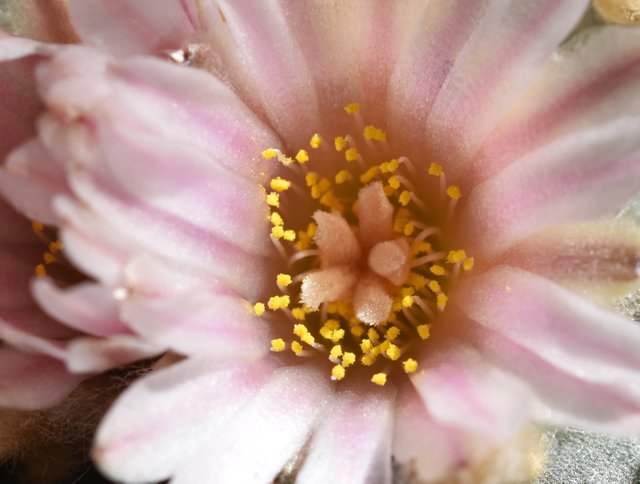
{"points": [[199, 324], [586, 176], [353, 444], [265, 433], [466, 64], [17, 264], [29, 381], [95, 355], [164, 418], [432, 448], [134, 26], [87, 307]]}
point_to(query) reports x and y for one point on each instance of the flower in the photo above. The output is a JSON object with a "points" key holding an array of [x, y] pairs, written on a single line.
{"points": [[402, 278]]}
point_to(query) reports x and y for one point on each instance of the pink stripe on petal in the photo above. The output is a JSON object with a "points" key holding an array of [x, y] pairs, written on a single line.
{"points": [[353, 442], [579, 338], [31, 382], [265, 433], [199, 324], [583, 177], [182, 406], [462, 389]]}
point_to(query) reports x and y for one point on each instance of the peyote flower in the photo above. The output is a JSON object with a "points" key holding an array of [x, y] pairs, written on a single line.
{"points": [[366, 229]]}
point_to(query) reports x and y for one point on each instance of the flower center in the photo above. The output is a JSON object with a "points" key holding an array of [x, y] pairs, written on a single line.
{"points": [[365, 250]]}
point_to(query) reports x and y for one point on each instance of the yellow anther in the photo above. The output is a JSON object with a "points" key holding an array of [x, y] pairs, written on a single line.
{"points": [[278, 345], [407, 301], [348, 359], [273, 199], [311, 178], [283, 280], [308, 338], [278, 302], [276, 219], [277, 231], [379, 379], [410, 365], [392, 333], [258, 309], [352, 108], [368, 360], [49, 258], [289, 235], [393, 352], [320, 188], [339, 142], [453, 192], [381, 348], [468, 264], [437, 270], [296, 347], [286, 161], [366, 345], [442, 300], [422, 247], [302, 156], [298, 313], [394, 182], [396, 305], [269, 153], [343, 176], [336, 335], [351, 154], [370, 174], [357, 330], [435, 169], [300, 330], [435, 286], [373, 133], [409, 229], [405, 198], [423, 331], [417, 280], [315, 141], [36, 226], [280, 184], [338, 372], [40, 270], [55, 246], [336, 352], [311, 229], [456, 256], [285, 301], [373, 335], [389, 166]]}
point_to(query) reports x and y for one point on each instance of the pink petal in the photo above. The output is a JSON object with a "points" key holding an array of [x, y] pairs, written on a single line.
{"points": [[334, 237], [266, 63], [585, 176], [164, 418], [133, 26], [591, 82], [30, 179], [561, 335], [95, 355], [462, 389], [353, 443], [431, 447], [466, 65], [31, 382], [265, 433], [199, 324], [87, 307]]}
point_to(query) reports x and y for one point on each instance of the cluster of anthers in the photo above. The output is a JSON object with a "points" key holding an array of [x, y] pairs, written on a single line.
{"points": [[367, 277]]}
